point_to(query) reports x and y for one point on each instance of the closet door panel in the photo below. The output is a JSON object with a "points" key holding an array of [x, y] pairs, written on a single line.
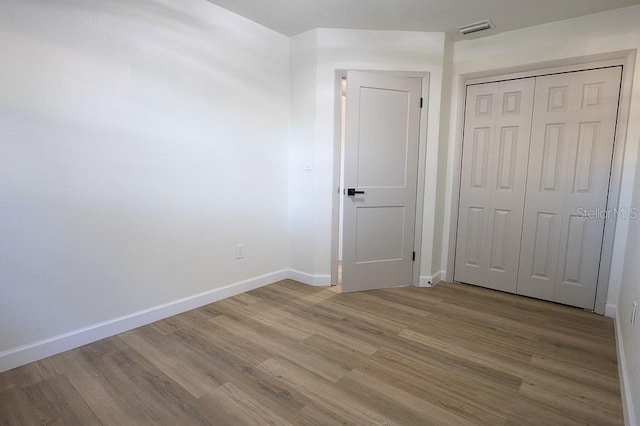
{"points": [[567, 185], [494, 162], [589, 171], [508, 181], [547, 176], [480, 117]]}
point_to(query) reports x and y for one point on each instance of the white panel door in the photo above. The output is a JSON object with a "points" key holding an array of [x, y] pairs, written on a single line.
{"points": [[381, 169], [494, 163], [572, 139]]}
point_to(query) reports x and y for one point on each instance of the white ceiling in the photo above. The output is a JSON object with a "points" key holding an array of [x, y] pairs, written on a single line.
{"points": [[291, 17]]}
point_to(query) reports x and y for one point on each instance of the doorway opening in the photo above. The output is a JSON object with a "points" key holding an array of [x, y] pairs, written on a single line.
{"points": [[342, 126]]}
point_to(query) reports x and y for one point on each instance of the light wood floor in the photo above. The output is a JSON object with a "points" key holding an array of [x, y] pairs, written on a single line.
{"points": [[293, 354]]}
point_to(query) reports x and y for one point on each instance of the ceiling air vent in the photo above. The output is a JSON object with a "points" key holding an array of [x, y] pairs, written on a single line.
{"points": [[475, 27]]}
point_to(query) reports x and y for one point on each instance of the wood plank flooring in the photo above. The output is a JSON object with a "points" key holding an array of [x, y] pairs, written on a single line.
{"points": [[292, 354]]}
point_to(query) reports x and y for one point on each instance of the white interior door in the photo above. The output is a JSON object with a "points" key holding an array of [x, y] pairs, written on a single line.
{"points": [[381, 169], [492, 191], [573, 132]]}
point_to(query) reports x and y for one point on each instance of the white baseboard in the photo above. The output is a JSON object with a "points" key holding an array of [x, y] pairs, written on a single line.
{"points": [[431, 280], [610, 310], [309, 279], [22, 355], [625, 383]]}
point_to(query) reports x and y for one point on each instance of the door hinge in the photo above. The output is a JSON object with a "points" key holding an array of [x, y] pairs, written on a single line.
{"points": [[421, 101], [414, 256]]}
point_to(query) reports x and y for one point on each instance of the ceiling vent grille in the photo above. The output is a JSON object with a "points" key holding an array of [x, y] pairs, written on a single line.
{"points": [[475, 27]]}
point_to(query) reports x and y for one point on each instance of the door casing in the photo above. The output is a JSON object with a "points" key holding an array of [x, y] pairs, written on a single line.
{"points": [[626, 59], [422, 149]]}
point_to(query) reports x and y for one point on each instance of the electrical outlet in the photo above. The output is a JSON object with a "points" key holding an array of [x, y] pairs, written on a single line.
{"points": [[634, 312], [239, 251]]}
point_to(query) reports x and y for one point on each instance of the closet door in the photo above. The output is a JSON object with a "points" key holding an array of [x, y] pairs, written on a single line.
{"points": [[570, 157], [494, 164]]}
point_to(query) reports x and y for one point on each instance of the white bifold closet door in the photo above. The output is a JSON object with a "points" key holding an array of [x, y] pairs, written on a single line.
{"points": [[536, 165], [572, 139], [495, 151]]}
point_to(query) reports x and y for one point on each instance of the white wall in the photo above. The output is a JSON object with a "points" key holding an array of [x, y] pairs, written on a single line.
{"points": [[303, 71], [630, 291], [589, 35], [439, 265], [139, 142], [315, 56]]}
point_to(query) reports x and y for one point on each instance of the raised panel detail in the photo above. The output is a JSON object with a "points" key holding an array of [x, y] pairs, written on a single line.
{"points": [[558, 98], [480, 152], [386, 243], [585, 157], [382, 150], [507, 158], [541, 245], [511, 103], [574, 254], [592, 96], [552, 157], [475, 220], [500, 239], [484, 105]]}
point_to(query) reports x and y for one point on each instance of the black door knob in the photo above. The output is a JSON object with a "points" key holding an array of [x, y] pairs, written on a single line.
{"points": [[352, 192]]}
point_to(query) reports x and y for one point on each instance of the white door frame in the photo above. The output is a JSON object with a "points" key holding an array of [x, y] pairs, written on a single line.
{"points": [[422, 149], [626, 58]]}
